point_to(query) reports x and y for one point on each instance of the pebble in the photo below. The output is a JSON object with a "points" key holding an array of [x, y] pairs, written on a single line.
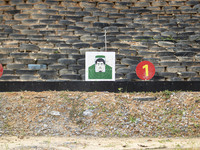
{"points": [[88, 113], [55, 113]]}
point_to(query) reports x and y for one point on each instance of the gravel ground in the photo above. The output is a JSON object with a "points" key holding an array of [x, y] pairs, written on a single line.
{"points": [[100, 114]]}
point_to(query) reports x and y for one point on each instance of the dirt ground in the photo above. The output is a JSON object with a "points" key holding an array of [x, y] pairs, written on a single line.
{"points": [[65, 120], [93, 143]]}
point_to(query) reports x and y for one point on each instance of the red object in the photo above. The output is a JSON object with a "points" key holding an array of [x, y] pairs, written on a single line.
{"points": [[145, 70], [1, 70]]}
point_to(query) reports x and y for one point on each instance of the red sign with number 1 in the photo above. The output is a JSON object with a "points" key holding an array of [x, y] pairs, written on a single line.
{"points": [[1, 70], [145, 70]]}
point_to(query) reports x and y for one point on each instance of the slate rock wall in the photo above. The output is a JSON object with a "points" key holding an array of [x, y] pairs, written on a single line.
{"points": [[47, 39]]}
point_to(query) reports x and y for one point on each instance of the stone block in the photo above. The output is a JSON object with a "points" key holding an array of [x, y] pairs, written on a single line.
{"points": [[29, 32], [125, 20], [25, 71], [69, 51], [98, 45], [11, 12], [37, 66], [120, 45], [38, 55], [132, 76], [7, 71], [9, 77], [39, 16], [194, 79], [71, 77], [29, 47], [185, 53], [48, 74], [8, 50], [167, 74], [187, 74], [190, 63], [56, 67], [165, 44], [24, 60], [69, 3], [47, 21], [105, 4], [75, 67], [56, 17], [52, 2], [38, 26], [164, 53], [159, 69], [14, 2], [128, 61], [2, 55], [142, 4], [81, 62], [175, 79], [49, 11], [6, 7], [128, 52], [100, 24], [83, 50], [47, 32], [29, 21], [29, 78], [24, 6], [74, 18], [67, 61], [81, 45], [109, 38], [192, 2], [85, 4], [176, 69], [12, 22], [33, 1], [76, 56], [46, 61], [124, 70], [90, 19], [169, 63], [83, 13], [15, 66], [66, 71], [6, 60], [106, 20]]}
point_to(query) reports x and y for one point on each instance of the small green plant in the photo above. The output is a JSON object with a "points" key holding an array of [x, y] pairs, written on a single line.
{"points": [[120, 89], [56, 52], [132, 119], [167, 94]]}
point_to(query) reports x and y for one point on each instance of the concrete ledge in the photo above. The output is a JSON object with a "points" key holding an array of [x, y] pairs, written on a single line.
{"points": [[122, 86]]}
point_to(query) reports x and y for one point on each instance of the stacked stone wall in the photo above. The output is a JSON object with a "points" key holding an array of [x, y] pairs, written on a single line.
{"points": [[47, 39]]}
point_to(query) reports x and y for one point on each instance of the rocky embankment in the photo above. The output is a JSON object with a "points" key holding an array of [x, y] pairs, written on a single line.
{"points": [[102, 114]]}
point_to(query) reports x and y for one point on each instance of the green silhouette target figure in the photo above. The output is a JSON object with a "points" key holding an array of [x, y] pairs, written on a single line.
{"points": [[100, 66]]}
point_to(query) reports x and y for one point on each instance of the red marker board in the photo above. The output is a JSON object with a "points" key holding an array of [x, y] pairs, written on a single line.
{"points": [[145, 70], [1, 70]]}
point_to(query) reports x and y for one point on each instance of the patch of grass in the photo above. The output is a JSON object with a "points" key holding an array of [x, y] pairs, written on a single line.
{"points": [[132, 119], [167, 94]]}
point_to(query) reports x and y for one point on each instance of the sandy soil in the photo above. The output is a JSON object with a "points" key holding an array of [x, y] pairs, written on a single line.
{"points": [[92, 143]]}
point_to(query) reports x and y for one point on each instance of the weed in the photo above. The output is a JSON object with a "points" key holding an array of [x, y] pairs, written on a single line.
{"points": [[120, 90], [167, 94], [132, 119], [6, 146]]}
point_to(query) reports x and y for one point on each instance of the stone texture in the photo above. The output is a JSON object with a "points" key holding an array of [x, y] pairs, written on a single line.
{"points": [[58, 33]]}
